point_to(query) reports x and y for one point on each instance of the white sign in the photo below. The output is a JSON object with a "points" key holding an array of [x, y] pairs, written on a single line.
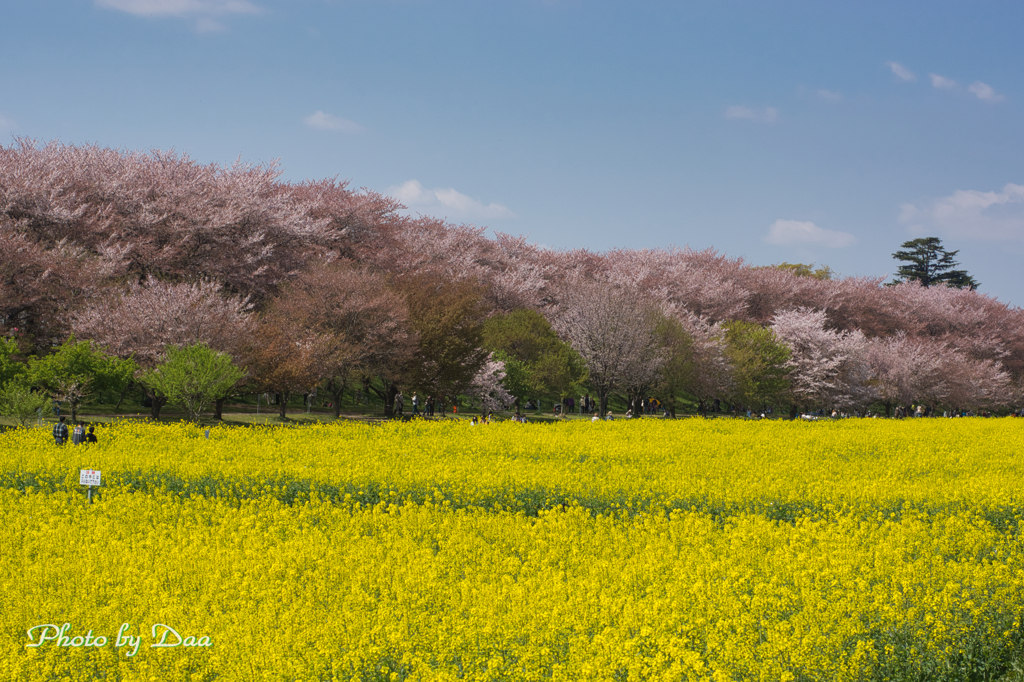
{"points": [[88, 477]]}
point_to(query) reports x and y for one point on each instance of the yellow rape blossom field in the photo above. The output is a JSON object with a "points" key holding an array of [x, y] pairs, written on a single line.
{"points": [[635, 550]]}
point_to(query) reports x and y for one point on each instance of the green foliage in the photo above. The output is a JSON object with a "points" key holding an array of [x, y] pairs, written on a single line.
{"points": [[10, 367], [447, 318], [78, 370], [22, 403], [193, 376], [680, 369], [537, 362], [560, 372], [522, 334], [929, 263], [758, 360], [805, 270], [518, 375]]}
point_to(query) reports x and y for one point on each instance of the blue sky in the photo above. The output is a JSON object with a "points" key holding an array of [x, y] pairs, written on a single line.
{"points": [[825, 132]]}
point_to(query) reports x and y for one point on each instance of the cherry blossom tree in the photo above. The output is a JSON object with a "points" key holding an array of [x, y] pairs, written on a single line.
{"points": [[770, 289], [141, 320], [976, 384], [616, 336], [907, 369], [160, 213], [357, 314], [702, 282], [829, 369], [37, 284], [519, 274], [285, 361], [699, 365], [487, 388], [81, 225]]}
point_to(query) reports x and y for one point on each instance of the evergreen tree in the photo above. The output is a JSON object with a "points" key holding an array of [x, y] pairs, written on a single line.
{"points": [[929, 263]]}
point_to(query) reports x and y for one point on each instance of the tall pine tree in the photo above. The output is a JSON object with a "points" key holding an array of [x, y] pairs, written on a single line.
{"points": [[929, 263]]}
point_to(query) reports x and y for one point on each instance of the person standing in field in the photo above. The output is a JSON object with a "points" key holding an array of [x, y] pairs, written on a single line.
{"points": [[415, 404], [78, 434], [91, 437], [60, 432], [399, 403]]}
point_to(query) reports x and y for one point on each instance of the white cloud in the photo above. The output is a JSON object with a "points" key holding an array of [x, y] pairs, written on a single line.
{"points": [[204, 12], [970, 214], [985, 92], [830, 96], [901, 72], [180, 8], [941, 82], [318, 120], [806, 233], [766, 115], [446, 203]]}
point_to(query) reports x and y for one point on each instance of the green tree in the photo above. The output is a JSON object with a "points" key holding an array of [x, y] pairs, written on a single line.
{"points": [[193, 376], [805, 270], [77, 371], [10, 367], [446, 318], [929, 263], [560, 373], [518, 376], [679, 369], [22, 403], [758, 360], [537, 362], [523, 334]]}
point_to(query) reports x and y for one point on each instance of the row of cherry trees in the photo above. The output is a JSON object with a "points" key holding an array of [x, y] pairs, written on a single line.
{"points": [[316, 284]]}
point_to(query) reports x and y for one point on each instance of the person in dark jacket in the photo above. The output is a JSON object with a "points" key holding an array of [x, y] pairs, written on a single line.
{"points": [[60, 432], [78, 434]]}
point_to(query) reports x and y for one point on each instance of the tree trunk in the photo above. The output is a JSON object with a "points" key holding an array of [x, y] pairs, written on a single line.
{"points": [[123, 394], [389, 400], [282, 402], [156, 402], [218, 409], [336, 389], [388, 394], [603, 402]]}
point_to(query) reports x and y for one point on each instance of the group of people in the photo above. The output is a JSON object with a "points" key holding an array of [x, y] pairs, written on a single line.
{"points": [[78, 434], [427, 405]]}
